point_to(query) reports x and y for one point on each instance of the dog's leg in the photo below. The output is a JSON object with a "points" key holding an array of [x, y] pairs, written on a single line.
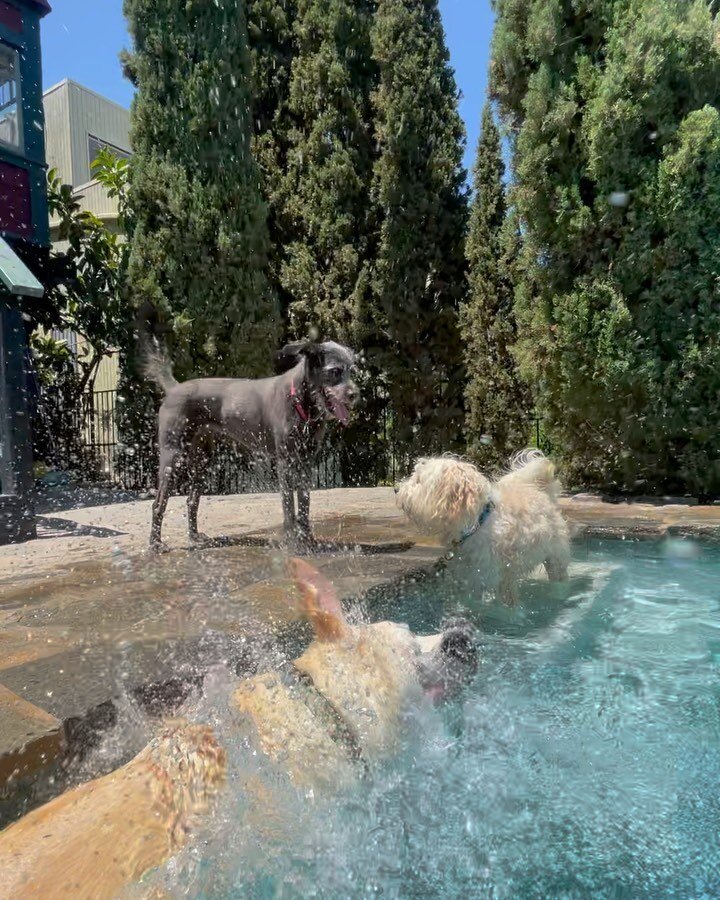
{"points": [[507, 592], [559, 556], [194, 494], [303, 516], [556, 568], [288, 498], [168, 461], [193, 502], [99, 839]]}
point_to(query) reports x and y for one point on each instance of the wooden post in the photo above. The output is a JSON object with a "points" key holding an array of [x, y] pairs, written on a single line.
{"points": [[23, 226], [17, 513]]}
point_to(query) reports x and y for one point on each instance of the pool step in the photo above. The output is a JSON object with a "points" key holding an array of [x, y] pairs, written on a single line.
{"points": [[31, 739]]}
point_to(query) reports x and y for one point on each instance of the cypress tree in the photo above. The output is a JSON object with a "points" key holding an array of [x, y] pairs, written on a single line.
{"points": [[272, 49], [270, 30], [199, 241], [322, 201], [615, 111], [419, 189], [496, 401], [325, 194]]}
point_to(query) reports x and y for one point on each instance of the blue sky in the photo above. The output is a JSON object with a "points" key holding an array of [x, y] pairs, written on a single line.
{"points": [[82, 39]]}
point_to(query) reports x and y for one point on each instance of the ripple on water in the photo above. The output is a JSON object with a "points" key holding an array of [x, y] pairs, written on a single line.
{"points": [[583, 762]]}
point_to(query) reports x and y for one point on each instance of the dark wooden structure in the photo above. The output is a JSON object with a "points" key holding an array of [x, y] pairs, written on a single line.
{"points": [[24, 231]]}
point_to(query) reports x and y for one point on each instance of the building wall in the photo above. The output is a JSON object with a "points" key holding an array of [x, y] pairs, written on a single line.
{"points": [[93, 198], [57, 131], [73, 115]]}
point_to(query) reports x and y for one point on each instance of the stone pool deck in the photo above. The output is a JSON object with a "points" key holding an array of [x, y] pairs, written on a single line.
{"points": [[88, 616]]}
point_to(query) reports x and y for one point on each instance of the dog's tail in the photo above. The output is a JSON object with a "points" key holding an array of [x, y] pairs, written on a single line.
{"points": [[154, 361], [157, 367], [534, 468]]}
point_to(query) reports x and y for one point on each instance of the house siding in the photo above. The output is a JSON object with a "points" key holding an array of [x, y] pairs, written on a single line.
{"points": [[91, 114], [73, 113], [58, 146]]}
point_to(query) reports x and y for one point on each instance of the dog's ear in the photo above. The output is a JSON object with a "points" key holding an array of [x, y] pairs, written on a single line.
{"points": [[315, 355], [318, 601], [459, 491], [291, 354], [288, 357]]}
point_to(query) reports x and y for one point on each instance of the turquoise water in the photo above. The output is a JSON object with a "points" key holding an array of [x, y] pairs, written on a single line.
{"points": [[584, 761]]}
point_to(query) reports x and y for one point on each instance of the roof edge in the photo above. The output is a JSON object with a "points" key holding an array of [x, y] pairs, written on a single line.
{"points": [[71, 82], [43, 5]]}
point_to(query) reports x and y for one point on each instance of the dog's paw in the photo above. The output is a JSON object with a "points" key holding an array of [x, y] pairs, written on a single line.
{"points": [[158, 547], [199, 538], [301, 544]]}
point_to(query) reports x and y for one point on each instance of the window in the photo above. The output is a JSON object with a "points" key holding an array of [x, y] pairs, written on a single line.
{"points": [[10, 111], [95, 145]]}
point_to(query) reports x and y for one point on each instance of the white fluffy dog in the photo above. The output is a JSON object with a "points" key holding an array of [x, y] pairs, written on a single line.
{"points": [[504, 528]]}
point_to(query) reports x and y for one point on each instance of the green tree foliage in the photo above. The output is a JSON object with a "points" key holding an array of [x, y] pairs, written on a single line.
{"points": [[272, 49], [87, 300], [614, 107], [321, 202], [325, 194], [497, 403], [270, 29], [198, 234], [136, 410], [419, 190], [90, 301]]}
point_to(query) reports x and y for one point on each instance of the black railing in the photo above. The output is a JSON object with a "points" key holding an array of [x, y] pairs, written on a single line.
{"points": [[84, 438]]}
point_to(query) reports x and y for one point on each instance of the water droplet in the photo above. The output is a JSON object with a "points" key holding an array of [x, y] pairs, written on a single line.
{"points": [[619, 199]]}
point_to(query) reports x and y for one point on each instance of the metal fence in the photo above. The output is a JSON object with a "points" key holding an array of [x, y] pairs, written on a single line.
{"points": [[84, 438]]}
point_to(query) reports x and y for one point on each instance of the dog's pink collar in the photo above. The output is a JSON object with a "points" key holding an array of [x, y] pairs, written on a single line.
{"points": [[299, 408]]}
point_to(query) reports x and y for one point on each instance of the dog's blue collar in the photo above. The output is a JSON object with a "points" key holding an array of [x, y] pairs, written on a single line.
{"points": [[479, 522]]}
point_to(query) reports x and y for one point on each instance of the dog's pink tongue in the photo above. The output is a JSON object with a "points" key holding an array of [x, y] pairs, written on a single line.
{"points": [[340, 411], [435, 693]]}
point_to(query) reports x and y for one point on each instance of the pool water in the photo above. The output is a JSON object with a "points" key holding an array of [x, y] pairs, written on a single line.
{"points": [[584, 760]]}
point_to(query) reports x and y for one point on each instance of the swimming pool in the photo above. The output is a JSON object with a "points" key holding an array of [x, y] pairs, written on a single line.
{"points": [[583, 761]]}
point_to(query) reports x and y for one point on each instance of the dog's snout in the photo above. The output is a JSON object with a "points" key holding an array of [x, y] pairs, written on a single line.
{"points": [[396, 488], [459, 645], [460, 642]]}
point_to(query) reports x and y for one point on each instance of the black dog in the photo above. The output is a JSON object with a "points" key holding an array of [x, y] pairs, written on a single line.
{"points": [[283, 416]]}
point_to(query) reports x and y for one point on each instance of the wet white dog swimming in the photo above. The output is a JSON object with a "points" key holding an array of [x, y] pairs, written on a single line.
{"points": [[504, 528]]}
